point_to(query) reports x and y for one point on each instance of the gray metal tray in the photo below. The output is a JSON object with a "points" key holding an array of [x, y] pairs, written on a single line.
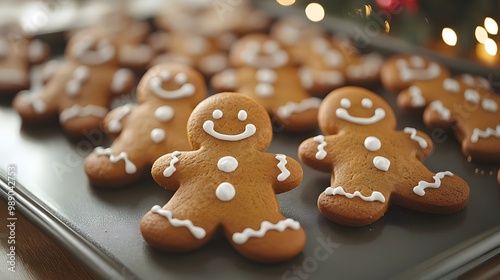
{"points": [[101, 226]]}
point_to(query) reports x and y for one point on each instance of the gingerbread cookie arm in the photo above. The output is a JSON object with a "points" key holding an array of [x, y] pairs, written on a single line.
{"points": [[320, 81], [165, 170], [36, 107], [437, 114], [115, 120], [289, 173], [420, 141], [123, 81], [226, 80], [135, 55], [364, 69], [439, 193], [316, 152]]}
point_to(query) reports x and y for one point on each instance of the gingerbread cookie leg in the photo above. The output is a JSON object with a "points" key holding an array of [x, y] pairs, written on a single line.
{"points": [[348, 206], [439, 193], [268, 238], [174, 229]]}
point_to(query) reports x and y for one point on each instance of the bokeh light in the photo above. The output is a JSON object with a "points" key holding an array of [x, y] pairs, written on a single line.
{"points": [[491, 47], [449, 36], [481, 34], [286, 2], [315, 12], [491, 25]]}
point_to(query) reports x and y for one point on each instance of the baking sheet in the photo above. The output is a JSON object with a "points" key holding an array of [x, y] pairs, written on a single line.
{"points": [[50, 173]]}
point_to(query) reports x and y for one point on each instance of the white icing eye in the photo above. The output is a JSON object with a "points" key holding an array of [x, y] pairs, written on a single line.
{"points": [[366, 103], [489, 105], [165, 75], [345, 103], [242, 115], [181, 78], [217, 114], [270, 47]]}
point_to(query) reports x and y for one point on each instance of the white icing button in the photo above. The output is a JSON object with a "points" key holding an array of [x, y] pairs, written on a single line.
{"points": [[266, 75], [242, 115], [345, 103], [264, 90], [157, 135], [225, 192], [227, 164], [381, 163], [451, 85], [489, 105], [366, 103], [164, 113], [217, 114], [333, 58], [372, 143], [472, 96]]}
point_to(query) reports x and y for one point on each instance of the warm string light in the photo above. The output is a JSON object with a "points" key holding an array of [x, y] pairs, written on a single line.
{"points": [[285, 2], [315, 12], [449, 36], [487, 46]]}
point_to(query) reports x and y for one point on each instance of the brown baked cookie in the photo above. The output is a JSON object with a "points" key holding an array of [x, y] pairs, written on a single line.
{"points": [[464, 105], [400, 71], [372, 164], [207, 54], [228, 182], [130, 34], [167, 94], [80, 90], [295, 34], [212, 18], [18, 52], [263, 70], [335, 62]]}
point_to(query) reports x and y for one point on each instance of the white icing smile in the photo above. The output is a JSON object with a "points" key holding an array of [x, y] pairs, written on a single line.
{"points": [[104, 51], [186, 89], [208, 126], [273, 57], [343, 114]]}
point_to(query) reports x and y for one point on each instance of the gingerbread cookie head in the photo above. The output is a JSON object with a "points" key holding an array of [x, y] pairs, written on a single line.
{"points": [[171, 82], [354, 108], [230, 119], [400, 71], [93, 48], [259, 51]]}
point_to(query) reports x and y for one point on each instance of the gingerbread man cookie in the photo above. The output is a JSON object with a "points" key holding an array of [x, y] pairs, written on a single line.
{"points": [[227, 182], [263, 70], [374, 165], [464, 104], [335, 62], [167, 94], [80, 90], [17, 54], [400, 71]]}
